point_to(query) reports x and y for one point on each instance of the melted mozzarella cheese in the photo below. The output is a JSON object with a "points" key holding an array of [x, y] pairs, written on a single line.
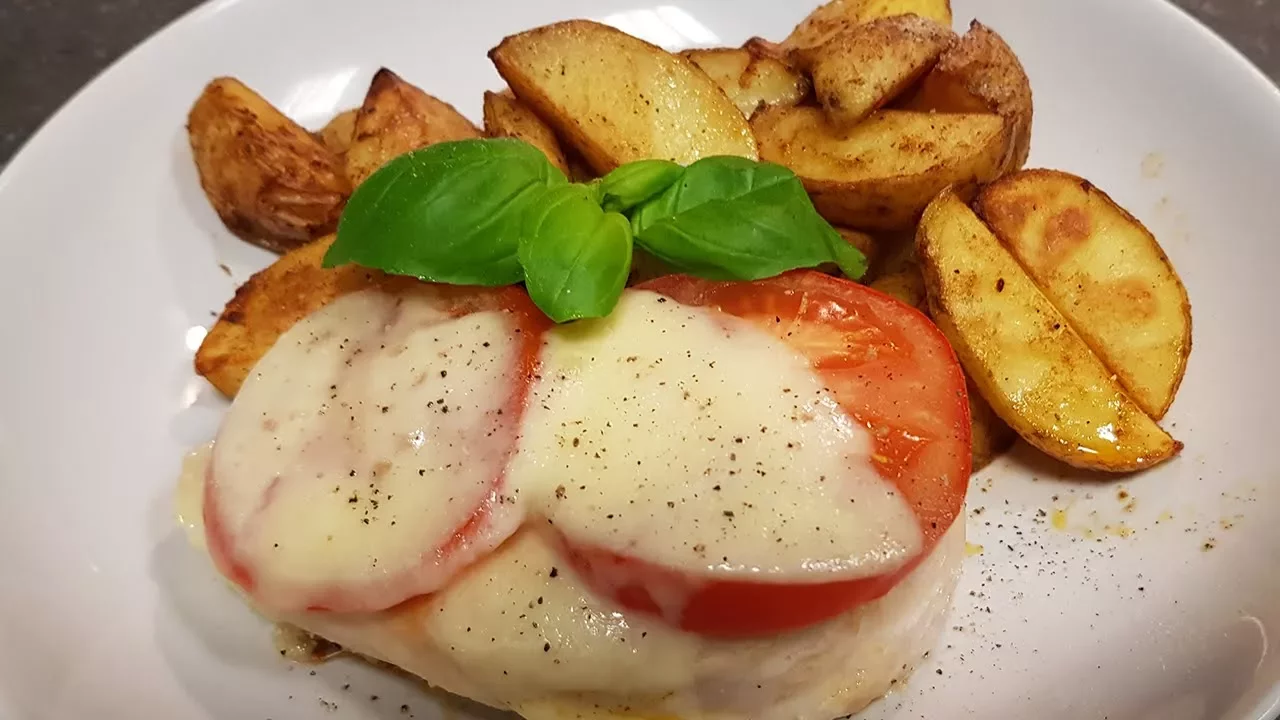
{"points": [[188, 500], [675, 434], [694, 440], [487, 637], [370, 433]]}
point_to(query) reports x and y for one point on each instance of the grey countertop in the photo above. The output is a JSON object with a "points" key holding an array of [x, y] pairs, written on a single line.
{"points": [[49, 48]]}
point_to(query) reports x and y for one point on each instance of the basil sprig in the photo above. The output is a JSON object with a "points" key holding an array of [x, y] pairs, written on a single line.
{"points": [[576, 256], [729, 218], [449, 213], [496, 212]]}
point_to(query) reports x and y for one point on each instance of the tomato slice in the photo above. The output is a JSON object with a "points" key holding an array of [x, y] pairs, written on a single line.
{"points": [[363, 462], [891, 370]]}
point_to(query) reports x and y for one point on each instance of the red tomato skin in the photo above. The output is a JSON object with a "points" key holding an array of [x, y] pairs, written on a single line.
{"points": [[463, 301], [731, 608]]}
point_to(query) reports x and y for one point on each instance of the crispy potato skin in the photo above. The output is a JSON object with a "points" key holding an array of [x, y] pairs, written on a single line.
{"points": [[981, 73], [1038, 375], [865, 67], [337, 133], [760, 47], [837, 16], [898, 276], [615, 98], [881, 174], [505, 116], [751, 78], [271, 181], [267, 305], [1104, 271], [398, 117]]}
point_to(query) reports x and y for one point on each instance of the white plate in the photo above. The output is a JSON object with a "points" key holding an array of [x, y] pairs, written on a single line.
{"points": [[111, 257]]}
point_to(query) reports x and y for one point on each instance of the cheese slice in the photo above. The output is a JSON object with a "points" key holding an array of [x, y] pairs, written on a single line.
{"points": [[696, 441], [369, 436], [484, 636]]}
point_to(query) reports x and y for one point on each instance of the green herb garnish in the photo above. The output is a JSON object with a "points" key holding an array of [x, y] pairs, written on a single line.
{"points": [[496, 212], [729, 218], [576, 256]]}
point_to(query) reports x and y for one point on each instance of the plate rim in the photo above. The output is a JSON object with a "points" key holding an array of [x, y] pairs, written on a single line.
{"points": [[44, 138], [1264, 83]]}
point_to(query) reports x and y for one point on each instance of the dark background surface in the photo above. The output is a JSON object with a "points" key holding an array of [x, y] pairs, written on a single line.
{"points": [[49, 48]]}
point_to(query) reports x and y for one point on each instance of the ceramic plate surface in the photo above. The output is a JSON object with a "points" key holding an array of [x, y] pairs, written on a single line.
{"points": [[1155, 597]]}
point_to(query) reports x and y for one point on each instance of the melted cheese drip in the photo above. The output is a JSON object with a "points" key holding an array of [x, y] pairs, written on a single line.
{"points": [[696, 441], [188, 501]]}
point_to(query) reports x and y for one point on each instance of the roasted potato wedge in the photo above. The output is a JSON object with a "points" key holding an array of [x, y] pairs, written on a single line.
{"points": [[1104, 271], [397, 117], [837, 16], [760, 47], [898, 275], [505, 116], [906, 285], [751, 80], [616, 98], [272, 182], [270, 303], [867, 244], [989, 435], [880, 174], [1030, 365], [337, 133], [865, 67], [981, 73]]}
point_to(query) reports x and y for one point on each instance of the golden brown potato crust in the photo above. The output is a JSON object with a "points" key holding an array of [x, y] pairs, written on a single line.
{"points": [[1104, 271], [272, 182], [880, 174], [337, 133], [1035, 370], [865, 67], [398, 117], [898, 276], [267, 305], [615, 98], [837, 16], [981, 73], [505, 116], [751, 78]]}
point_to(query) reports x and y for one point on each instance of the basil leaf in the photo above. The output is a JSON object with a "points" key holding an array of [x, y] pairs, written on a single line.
{"points": [[852, 263], [448, 213], [729, 218], [576, 256], [634, 183]]}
